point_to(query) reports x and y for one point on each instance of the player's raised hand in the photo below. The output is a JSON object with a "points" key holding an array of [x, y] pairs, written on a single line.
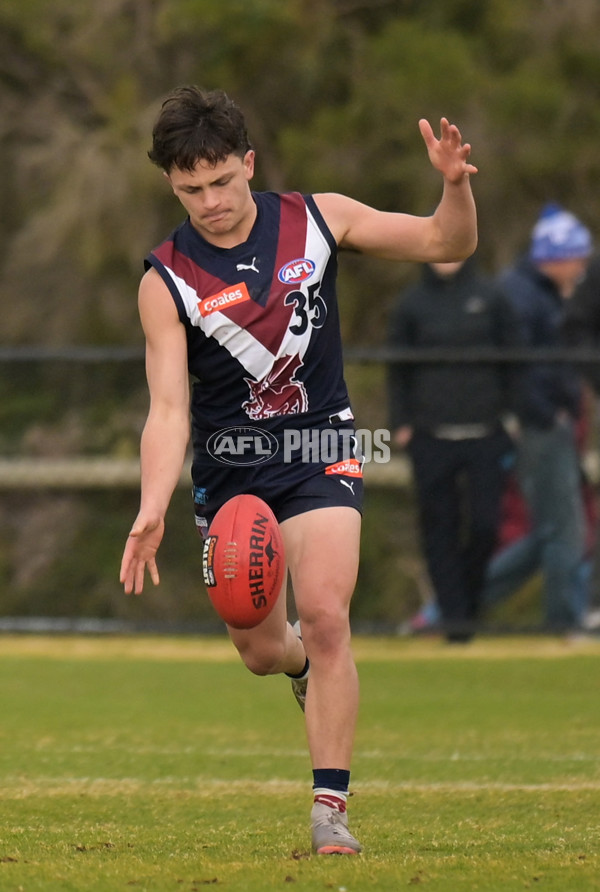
{"points": [[447, 154], [140, 553]]}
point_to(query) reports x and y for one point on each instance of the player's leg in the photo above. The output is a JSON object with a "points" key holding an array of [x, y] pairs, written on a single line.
{"points": [[322, 548], [273, 646]]}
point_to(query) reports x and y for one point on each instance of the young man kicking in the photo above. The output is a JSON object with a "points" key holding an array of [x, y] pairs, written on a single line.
{"points": [[241, 297]]}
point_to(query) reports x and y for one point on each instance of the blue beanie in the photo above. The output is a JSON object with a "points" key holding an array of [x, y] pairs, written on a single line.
{"points": [[559, 235]]}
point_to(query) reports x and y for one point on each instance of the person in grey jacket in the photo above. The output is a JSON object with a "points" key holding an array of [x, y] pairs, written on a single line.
{"points": [[448, 417]]}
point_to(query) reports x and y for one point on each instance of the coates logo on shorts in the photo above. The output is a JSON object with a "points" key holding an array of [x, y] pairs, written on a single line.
{"points": [[296, 271], [349, 467], [242, 446]]}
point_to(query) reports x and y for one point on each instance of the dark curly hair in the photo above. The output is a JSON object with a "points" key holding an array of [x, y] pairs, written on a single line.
{"points": [[195, 125]]}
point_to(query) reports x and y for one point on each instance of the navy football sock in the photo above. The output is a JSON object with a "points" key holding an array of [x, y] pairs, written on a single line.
{"points": [[302, 674], [330, 786]]}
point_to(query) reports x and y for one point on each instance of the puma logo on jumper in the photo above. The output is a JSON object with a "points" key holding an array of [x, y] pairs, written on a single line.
{"points": [[252, 266]]}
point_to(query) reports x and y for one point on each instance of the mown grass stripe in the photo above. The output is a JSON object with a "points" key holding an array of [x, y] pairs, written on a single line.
{"points": [[215, 648], [201, 787]]}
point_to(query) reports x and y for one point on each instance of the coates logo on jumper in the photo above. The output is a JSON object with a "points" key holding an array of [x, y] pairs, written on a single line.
{"points": [[349, 467], [233, 294], [296, 271], [242, 446]]}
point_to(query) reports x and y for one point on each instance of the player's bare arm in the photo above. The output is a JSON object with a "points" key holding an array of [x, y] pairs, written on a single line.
{"points": [[450, 233], [166, 432]]}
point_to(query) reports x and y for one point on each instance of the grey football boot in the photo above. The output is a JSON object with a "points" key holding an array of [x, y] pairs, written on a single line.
{"points": [[330, 834]]}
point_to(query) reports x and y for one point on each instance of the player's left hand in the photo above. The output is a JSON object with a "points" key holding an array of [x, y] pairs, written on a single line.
{"points": [[447, 154]]}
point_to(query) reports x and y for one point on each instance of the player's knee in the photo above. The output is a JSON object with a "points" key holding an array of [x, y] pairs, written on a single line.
{"points": [[326, 632]]}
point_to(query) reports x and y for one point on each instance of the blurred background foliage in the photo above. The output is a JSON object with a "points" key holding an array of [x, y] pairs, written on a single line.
{"points": [[332, 91]]}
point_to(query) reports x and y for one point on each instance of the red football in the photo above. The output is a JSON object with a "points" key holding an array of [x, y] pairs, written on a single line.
{"points": [[243, 561]]}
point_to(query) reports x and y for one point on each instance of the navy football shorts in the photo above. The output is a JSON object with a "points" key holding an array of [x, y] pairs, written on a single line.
{"points": [[311, 478]]}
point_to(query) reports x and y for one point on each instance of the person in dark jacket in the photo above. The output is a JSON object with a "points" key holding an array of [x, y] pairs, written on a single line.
{"points": [[582, 319], [582, 330], [538, 286], [449, 418]]}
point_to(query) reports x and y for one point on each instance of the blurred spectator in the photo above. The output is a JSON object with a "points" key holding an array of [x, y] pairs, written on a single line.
{"points": [[519, 555], [517, 558], [448, 417], [582, 329], [547, 408], [582, 317]]}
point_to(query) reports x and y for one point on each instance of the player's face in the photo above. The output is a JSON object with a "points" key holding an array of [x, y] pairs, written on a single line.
{"points": [[218, 198]]}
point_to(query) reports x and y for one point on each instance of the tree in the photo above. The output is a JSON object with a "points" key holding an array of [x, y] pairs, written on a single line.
{"points": [[332, 89]]}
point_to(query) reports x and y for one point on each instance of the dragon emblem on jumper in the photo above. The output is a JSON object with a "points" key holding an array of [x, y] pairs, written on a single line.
{"points": [[279, 392]]}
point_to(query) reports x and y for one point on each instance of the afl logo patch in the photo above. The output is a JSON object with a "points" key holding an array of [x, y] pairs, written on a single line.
{"points": [[296, 271], [242, 446]]}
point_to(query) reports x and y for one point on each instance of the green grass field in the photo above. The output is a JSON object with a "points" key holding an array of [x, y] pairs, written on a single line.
{"points": [[161, 764]]}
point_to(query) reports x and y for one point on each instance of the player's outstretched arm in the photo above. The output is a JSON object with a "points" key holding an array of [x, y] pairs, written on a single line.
{"points": [[166, 432], [450, 233], [455, 218]]}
